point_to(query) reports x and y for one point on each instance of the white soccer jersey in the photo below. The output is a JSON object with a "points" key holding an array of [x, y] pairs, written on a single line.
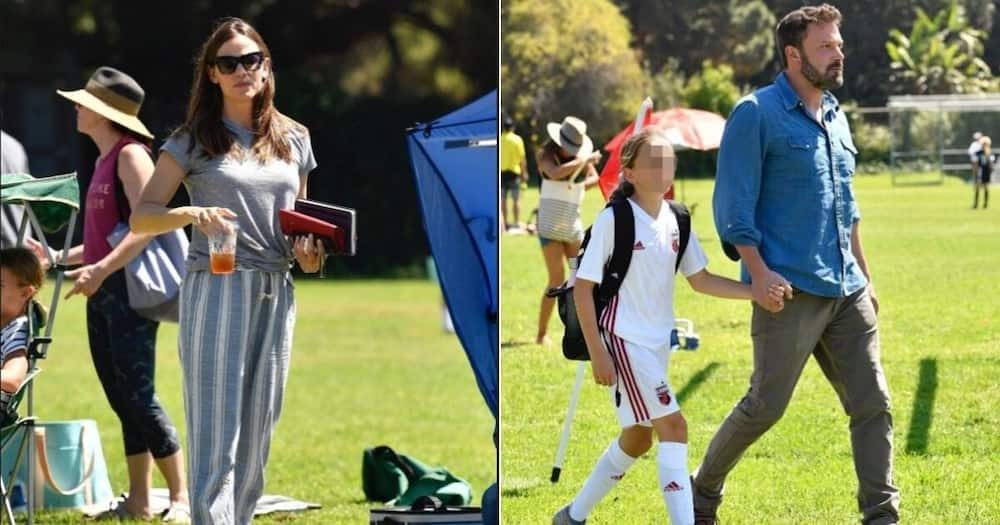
{"points": [[644, 310]]}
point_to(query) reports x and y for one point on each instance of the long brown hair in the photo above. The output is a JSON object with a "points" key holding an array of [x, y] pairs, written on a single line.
{"points": [[204, 114]]}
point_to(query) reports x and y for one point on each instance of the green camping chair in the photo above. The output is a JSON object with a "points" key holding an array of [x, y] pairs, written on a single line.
{"points": [[50, 204], [10, 426]]}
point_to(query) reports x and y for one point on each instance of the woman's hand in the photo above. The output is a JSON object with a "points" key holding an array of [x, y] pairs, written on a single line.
{"points": [[309, 253], [212, 220], [88, 279]]}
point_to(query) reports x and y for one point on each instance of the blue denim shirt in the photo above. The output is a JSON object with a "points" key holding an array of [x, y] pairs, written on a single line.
{"points": [[783, 184]]}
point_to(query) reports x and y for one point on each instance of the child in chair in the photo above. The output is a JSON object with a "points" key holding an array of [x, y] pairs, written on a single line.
{"points": [[20, 278]]}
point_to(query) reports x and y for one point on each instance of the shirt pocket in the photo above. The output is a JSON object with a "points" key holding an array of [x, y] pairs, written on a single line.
{"points": [[795, 162], [846, 158]]}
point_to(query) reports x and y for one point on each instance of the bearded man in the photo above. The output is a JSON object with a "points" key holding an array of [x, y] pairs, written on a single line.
{"points": [[784, 202]]}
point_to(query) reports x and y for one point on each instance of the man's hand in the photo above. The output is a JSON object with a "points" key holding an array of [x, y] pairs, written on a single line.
{"points": [[762, 286], [603, 368], [874, 298]]}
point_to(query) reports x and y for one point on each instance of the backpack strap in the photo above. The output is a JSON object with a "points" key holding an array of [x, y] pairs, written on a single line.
{"points": [[684, 223], [621, 254]]}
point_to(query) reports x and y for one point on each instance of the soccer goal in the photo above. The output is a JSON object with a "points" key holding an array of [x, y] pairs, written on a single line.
{"points": [[930, 134]]}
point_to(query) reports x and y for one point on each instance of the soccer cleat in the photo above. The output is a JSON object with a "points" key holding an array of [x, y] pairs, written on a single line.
{"points": [[562, 518]]}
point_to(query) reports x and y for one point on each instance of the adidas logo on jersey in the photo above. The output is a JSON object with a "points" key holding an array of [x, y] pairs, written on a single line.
{"points": [[673, 486], [638, 246]]}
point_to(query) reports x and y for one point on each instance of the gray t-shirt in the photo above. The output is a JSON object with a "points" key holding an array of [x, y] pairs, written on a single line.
{"points": [[254, 191]]}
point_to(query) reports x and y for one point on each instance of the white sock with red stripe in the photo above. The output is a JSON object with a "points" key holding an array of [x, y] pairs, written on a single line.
{"points": [[671, 463], [606, 474]]}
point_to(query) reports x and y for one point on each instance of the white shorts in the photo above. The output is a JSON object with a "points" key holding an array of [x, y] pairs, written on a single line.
{"points": [[642, 392]]}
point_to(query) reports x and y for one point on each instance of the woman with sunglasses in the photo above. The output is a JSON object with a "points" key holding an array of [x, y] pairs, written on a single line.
{"points": [[241, 161], [122, 342]]}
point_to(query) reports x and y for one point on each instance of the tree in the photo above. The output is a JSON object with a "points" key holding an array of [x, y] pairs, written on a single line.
{"points": [[865, 30], [712, 89], [941, 55], [734, 32], [569, 57], [356, 72]]}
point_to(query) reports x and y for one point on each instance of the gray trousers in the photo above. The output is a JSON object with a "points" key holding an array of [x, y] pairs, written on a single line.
{"points": [[235, 344], [842, 334]]}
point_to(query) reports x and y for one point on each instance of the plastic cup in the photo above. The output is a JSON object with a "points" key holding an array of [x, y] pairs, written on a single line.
{"points": [[222, 250]]}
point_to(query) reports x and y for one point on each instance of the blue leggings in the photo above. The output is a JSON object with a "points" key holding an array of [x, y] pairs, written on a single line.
{"points": [[123, 347]]}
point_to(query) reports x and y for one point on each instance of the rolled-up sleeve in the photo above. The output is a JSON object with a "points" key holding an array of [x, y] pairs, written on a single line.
{"points": [[738, 175]]}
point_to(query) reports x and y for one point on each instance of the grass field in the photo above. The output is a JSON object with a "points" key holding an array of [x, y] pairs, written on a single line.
{"points": [[370, 366], [936, 266]]}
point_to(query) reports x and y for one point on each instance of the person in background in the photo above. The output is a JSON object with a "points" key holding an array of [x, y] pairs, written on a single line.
{"points": [[513, 171], [983, 165], [122, 342], [21, 277], [566, 163], [13, 159]]}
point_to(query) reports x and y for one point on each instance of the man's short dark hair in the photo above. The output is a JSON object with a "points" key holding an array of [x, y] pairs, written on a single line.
{"points": [[791, 30]]}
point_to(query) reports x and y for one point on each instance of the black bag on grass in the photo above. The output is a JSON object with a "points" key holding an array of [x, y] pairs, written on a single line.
{"points": [[574, 346]]}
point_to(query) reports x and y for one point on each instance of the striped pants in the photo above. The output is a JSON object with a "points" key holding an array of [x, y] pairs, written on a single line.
{"points": [[235, 343]]}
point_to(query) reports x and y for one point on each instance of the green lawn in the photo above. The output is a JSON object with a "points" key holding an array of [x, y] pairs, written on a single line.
{"points": [[370, 366], [936, 264]]}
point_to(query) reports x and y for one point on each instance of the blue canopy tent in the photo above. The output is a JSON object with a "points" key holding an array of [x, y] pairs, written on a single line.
{"points": [[454, 161]]}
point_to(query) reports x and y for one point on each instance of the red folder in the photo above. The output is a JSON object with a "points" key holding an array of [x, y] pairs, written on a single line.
{"points": [[333, 236]]}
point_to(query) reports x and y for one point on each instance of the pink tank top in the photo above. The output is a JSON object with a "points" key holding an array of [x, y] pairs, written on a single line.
{"points": [[101, 212]]}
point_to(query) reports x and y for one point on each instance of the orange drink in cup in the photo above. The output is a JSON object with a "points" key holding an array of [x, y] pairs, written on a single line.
{"points": [[222, 250]]}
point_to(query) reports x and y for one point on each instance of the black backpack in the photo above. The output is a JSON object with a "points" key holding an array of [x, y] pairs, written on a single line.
{"points": [[574, 346]]}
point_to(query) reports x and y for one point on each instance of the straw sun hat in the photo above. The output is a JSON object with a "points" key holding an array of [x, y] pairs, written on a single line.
{"points": [[114, 96], [571, 136]]}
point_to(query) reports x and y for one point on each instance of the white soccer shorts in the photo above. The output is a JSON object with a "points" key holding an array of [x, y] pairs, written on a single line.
{"points": [[642, 392]]}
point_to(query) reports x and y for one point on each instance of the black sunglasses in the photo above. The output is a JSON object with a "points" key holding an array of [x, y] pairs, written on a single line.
{"points": [[227, 64]]}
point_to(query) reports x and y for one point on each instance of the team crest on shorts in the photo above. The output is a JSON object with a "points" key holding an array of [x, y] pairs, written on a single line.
{"points": [[663, 394]]}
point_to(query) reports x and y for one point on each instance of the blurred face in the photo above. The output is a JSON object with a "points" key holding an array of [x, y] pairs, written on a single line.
{"points": [[653, 168], [821, 57], [88, 121], [239, 69], [13, 296]]}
